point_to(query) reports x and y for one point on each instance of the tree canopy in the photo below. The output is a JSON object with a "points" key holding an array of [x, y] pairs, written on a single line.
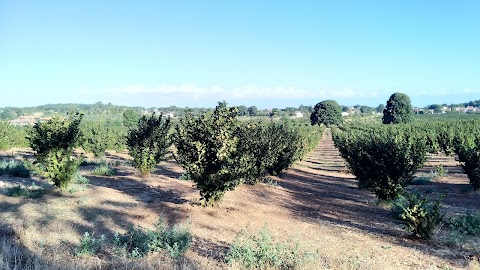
{"points": [[327, 112], [398, 110]]}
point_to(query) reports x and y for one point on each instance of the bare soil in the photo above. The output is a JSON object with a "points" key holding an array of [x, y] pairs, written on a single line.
{"points": [[317, 200]]}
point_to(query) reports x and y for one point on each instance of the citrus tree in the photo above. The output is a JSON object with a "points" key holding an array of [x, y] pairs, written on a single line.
{"points": [[148, 142], [206, 146], [53, 142]]}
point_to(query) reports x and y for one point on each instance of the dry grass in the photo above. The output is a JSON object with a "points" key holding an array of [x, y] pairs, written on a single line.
{"points": [[14, 255]]}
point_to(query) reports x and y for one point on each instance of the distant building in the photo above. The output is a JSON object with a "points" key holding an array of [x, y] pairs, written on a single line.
{"points": [[298, 114], [29, 120], [470, 109], [345, 114], [418, 110]]}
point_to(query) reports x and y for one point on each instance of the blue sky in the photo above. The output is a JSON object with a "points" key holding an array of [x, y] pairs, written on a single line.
{"points": [[263, 53]]}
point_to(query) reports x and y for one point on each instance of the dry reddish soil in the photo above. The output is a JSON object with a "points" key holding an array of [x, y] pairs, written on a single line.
{"points": [[316, 200]]}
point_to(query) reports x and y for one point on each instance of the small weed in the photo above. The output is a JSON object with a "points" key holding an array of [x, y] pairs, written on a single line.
{"points": [[269, 181], [185, 176], [89, 246], [32, 192], [439, 170], [104, 170], [468, 224], [80, 179], [421, 216], [262, 252], [82, 201], [74, 188], [88, 162], [138, 242], [14, 168], [423, 180]]}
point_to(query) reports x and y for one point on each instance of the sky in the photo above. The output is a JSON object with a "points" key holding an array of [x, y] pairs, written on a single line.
{"points": [[263, 53]]}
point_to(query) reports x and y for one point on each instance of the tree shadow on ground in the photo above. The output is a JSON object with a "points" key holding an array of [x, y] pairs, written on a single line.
{"points": [[320, 198], [212, 251], [137, 189]]}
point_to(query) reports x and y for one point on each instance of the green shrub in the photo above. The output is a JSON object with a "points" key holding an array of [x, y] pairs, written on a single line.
{"points": [[470, 160], [103, 134], [260, 251], [32, 192], [398, 205], [14, 168], [421, 216], [287, 146], [271, 147], [4, 135], [138, 242], [12, 136], [439, 170], [148, 142], [206, 146], [384, 158], [185, 177], [53, 142], [466, 224], [89, 245]]}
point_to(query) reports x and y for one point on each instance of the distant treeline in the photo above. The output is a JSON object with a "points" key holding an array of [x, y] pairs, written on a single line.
{"points": [[99, 109]]}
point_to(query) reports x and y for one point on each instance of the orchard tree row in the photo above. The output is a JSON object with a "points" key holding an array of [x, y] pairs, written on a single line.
{"points": [[218, 151], [385, 157]]}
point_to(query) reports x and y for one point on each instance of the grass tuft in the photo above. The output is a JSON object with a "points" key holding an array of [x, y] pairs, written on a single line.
{"points": [[31, 192], [14, 168], [260, 251]]}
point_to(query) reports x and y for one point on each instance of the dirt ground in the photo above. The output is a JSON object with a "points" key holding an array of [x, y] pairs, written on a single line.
{"points": [[317, 200]]}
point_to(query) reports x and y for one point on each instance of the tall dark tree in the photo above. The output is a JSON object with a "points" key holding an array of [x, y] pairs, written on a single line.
{"points": [[327, 112], [290, 111], [366, 109], [275, 112], [242, 110], [437, 108], [398, 110], [380, 108], [253, 110], [305, 108]]}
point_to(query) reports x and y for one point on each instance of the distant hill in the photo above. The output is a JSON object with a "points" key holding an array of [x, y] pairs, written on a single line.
{"points": [[9, 113]]}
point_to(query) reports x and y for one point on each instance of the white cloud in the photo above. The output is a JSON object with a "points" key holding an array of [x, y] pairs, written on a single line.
{"points": [[471, 90], [254, 92], [248, 92], [168, 90]]}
